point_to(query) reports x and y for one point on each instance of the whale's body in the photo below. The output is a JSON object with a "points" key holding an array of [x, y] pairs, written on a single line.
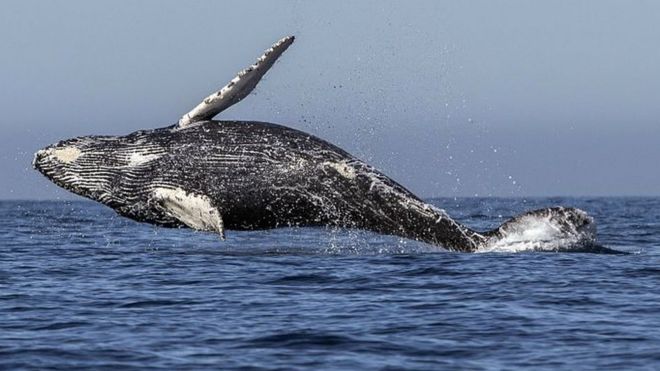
{"points": [[236, 175], [243, 175], [254, 175]]}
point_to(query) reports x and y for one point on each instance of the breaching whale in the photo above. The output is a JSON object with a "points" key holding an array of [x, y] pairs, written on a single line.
{"points": [[244, 175]]}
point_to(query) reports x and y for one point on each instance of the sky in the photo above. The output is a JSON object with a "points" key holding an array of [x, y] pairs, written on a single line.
{"points": [[449, 98]]}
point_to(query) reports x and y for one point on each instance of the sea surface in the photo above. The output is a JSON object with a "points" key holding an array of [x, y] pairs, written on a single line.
{"points": [[81, 287]]}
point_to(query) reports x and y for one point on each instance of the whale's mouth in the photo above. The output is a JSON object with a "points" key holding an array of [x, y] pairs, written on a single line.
{"points": [[553, 229]]}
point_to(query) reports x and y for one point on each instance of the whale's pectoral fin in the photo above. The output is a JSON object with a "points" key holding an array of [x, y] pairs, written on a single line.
{"points": [[193, 210], [238, 88]]}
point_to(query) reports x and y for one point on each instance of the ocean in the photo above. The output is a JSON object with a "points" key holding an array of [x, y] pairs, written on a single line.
{"points": [[81, 287]]}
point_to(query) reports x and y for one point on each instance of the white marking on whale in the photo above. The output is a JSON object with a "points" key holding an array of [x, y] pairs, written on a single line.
{"points": [[139, 158], [66, 155], [343, 168]]}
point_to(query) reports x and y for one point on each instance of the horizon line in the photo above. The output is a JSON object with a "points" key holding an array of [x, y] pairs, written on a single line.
{"points": [[81, 199]]}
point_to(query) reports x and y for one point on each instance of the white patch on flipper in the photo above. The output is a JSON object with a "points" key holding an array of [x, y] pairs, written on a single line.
{"points": [[65, 155], [195, 211], [343, 168], [140, 158]]}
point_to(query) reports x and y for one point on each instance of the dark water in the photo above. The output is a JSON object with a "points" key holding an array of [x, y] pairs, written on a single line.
{"points": [[83, 288]]}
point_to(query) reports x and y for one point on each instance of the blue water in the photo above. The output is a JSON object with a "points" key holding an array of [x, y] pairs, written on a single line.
{"points": [[83, 288]]}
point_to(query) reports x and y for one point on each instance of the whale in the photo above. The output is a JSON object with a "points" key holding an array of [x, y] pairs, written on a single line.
{"points": [[219, 175]]}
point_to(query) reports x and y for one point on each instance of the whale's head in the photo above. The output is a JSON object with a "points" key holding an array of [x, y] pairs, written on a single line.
{"points": [[96, 167], [79, 165], [556, 228]]}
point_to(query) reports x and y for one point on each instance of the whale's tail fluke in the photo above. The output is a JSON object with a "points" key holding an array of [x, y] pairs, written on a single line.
{"points": [[550, 229]]}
